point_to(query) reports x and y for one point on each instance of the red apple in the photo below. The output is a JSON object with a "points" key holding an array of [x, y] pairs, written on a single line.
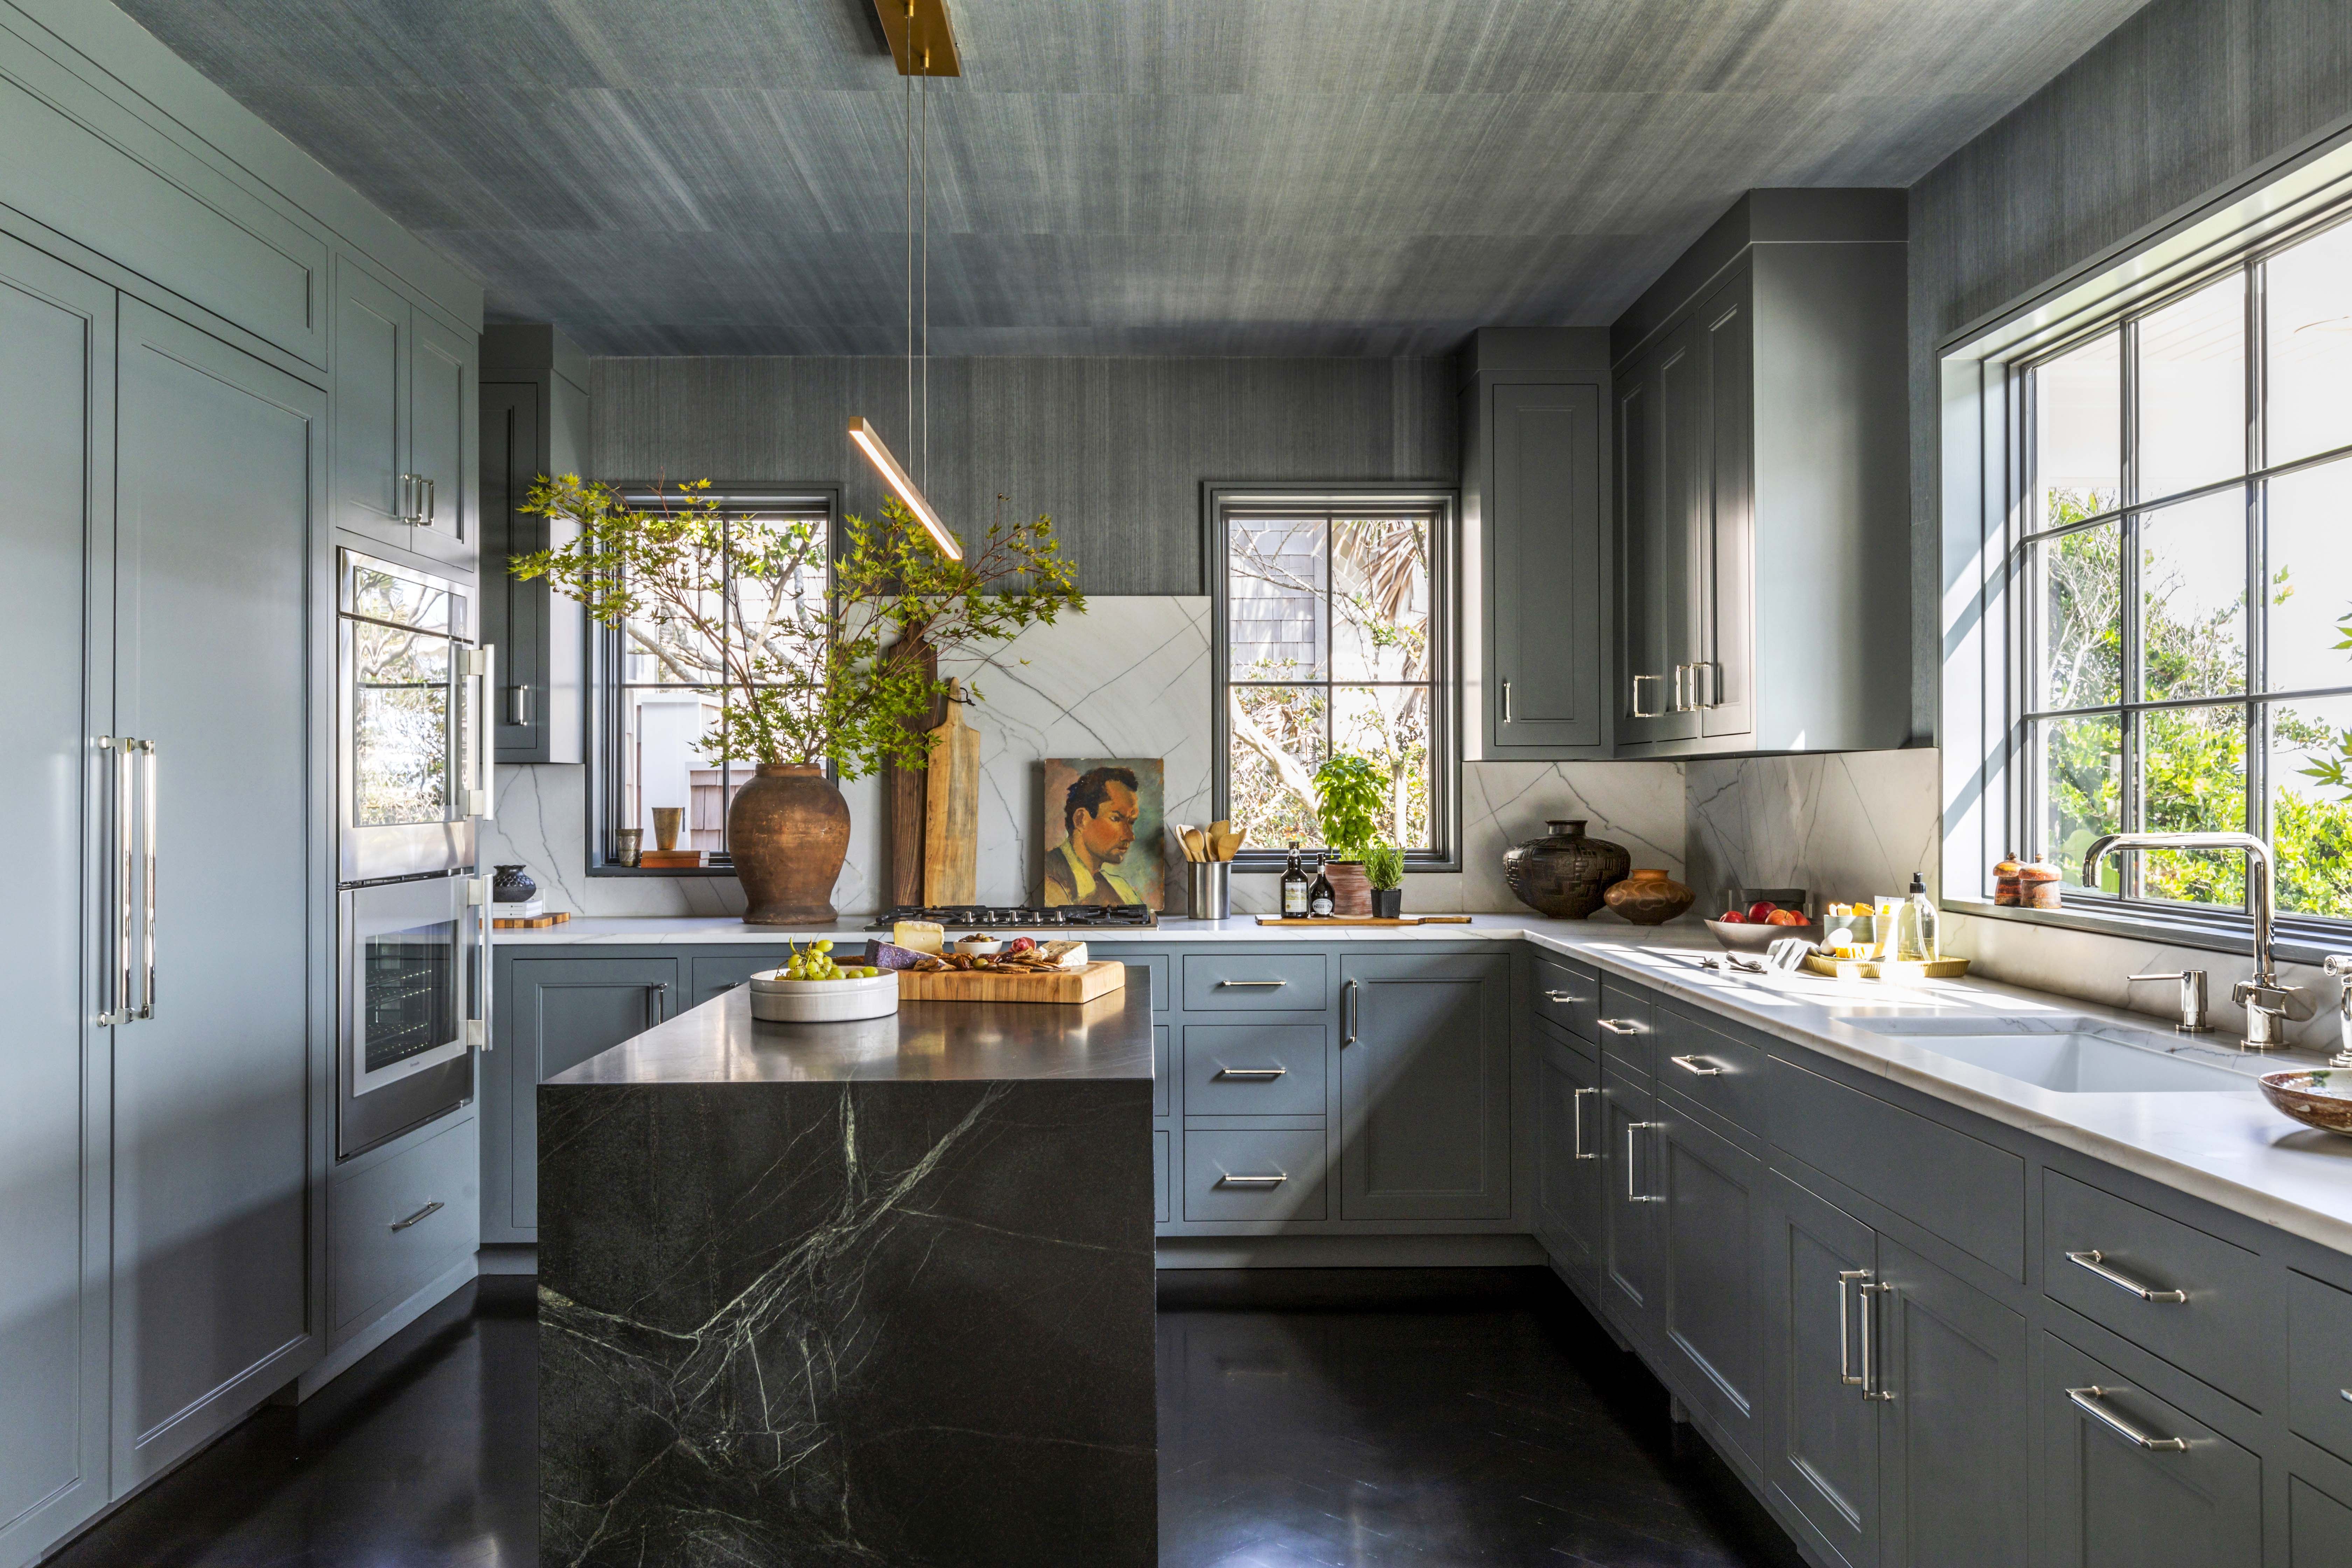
{"points": [[1784, 918], [1734, 918], [1761, 910]]}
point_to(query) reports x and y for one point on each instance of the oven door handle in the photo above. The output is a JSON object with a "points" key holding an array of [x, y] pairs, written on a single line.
{"points": [[480, 666], [478, 1021]]}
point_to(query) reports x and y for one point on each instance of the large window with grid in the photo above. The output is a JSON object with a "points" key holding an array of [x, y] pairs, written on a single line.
{"points": [[658, 702], [1334, 622], [2183, 639]]}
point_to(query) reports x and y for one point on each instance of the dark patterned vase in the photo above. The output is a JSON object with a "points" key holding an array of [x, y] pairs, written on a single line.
{"points": [[1565, 874]]}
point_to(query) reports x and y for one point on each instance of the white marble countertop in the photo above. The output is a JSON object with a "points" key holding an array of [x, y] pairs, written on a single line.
{"points": [[2227, 1147]]}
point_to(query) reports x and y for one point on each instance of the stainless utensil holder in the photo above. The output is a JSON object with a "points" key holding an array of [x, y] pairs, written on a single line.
{"points": [[1208, 889]]}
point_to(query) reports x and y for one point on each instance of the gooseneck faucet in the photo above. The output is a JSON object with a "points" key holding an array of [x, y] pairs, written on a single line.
{"points": [[2269, 1006]]}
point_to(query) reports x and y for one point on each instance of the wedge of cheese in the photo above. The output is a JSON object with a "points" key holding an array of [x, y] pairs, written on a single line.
{"points": [[919, 936], [1068, 954]]}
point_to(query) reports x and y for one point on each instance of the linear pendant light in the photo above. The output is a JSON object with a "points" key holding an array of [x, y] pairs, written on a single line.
{"points": [[914, 26]]}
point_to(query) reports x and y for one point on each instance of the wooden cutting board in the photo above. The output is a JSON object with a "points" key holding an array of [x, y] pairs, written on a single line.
{"points": [[1366, 920], [1097, 979], [952, 811]]}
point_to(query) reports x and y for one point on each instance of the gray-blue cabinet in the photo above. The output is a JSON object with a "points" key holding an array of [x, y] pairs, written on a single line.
{"points": [[1569, 1168], [1425, 1087], [1629, 1143], [405, 422], [534, 401], [1710, 1220]]}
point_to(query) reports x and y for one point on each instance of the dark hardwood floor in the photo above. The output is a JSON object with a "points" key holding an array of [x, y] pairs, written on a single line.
{"points": [[1311, 1417]]}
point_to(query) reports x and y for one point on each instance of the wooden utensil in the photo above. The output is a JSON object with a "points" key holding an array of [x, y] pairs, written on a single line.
{"points": [[1229, 843], [951, 810], [1196, 847]]}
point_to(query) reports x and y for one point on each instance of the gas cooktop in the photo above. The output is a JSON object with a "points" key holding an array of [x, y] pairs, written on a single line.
{"points": [[992, 918]]}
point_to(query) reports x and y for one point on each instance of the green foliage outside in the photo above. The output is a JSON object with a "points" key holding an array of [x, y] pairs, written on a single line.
{"points": [[2193, 760]]}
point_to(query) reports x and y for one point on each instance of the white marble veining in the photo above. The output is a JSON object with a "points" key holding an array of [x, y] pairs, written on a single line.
{"points": [[1847, 826]]}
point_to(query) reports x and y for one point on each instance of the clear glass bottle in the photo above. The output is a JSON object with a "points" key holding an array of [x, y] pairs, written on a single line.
{"points": [[1915, 927], [1321, 899], [1293, 887]]}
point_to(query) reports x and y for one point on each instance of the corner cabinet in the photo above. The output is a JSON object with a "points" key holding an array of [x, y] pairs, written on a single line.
{"points": [[404, 436], [1763, 492]]}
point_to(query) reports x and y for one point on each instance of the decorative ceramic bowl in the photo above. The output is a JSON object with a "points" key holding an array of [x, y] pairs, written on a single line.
{"points": [[1648, 897], [782, 1000], [2320, 1097], [1564, 873], [977, 945], [1755, 936]]}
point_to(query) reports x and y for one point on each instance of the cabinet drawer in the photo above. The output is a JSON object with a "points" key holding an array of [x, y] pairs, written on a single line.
{"points": [[1266, 983], [1569, 994], [1710, 1069], [393, 1226], [1253, 1069], [2167, 1287], [1625, 1026], [1275, 1175], [2319, 1363], [2130, 1478]]}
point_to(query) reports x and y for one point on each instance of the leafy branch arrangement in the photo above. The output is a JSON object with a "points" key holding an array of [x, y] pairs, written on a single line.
{"points": [[740, 606]]}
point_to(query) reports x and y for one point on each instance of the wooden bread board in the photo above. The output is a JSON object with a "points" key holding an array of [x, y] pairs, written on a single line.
{"points": [[1365, 920], [1868, 969], [534, 923], [1099, 978]]}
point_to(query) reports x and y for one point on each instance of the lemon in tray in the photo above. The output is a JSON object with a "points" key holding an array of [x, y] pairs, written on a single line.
{"points": [[812, 988]]}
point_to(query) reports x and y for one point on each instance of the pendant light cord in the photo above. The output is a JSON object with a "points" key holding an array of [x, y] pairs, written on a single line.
{"points": [[923, 93], [910, 226]]}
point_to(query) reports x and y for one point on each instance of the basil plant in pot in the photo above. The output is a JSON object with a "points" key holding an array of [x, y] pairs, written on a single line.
{"points": [[1350, 795], [804, 675]]}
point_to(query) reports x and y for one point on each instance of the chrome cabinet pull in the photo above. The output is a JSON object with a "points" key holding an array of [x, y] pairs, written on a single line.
{"points": [[1681, 702], [1638, 711], [1349, 1010], [1866, 1285], [1566, 999], [147, 878], [1620, 1025], [1507, 702], [1632, 1194], [478, 1021], [2096, 1262], [432, 503], [654, 991], [1846, 1328], [1576, 1115], [1252, 1075], [1246, 984], [1699, 1066], [1228, 1180], [118, 749], [518, 705], [2091, 1401], [427, 1212]]}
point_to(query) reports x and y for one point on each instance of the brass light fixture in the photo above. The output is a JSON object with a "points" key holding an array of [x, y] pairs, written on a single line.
{"points": [[922, 44]]}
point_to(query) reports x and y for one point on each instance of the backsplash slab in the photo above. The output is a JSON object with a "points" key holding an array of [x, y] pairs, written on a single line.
{"points": [[1846, 826]]}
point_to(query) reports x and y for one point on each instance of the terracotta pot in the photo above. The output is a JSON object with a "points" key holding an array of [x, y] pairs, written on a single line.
{"points": [[788, 830], [1564, 873], [1649, 898], [1351, 894]]}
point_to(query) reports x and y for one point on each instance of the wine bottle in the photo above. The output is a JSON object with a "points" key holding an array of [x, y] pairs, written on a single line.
{"points": [[1293, 887], [1319, 898]]}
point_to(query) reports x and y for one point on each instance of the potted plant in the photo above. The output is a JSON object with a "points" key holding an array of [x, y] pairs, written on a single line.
{"points": [[804, 679], [1348, 795], [1385, 869]]}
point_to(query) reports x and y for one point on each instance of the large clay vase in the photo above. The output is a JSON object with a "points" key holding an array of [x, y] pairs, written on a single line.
{"points": [[1649, 898], [788, 830], [1564, 873]]}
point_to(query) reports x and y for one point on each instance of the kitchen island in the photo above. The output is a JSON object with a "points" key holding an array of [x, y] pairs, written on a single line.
{"points": [[863, 1292]]}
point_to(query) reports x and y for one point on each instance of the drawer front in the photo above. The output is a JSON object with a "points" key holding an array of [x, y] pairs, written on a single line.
{"points": [[385, 1235], [2204, 1308], [1231, 1176], [2319, 1363], [1710, 1069], [1253, 1069], [1265, 982], [1569, 994], [1626, 1026]]}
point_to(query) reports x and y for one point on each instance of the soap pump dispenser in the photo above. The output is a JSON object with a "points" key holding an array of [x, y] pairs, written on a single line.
{"points": [[1915, 928]]}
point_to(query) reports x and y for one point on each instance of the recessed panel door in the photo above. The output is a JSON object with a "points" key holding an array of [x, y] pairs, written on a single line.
{"points": [[1569, 1166], [1424, 1089], [444, 420], [370, 418], [558, 1013], [1953, 1437], [1629, 1287], [1708, 1247], [1823, 1451], [1547, 561]]}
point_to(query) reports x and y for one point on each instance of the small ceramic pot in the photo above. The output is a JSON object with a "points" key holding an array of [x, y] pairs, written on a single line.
{"points": [[1350, 893], [513, 885], [1649, 898], [1387, 903], [1564, 873]]}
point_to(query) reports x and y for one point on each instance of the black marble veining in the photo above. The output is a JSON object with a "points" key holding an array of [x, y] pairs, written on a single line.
{"points": [[841, 1294]]}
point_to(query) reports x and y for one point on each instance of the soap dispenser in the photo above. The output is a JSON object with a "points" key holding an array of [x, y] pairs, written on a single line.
{"points": [[1915, 928]]}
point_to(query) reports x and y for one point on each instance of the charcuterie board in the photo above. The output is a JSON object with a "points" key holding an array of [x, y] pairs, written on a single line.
{"points": [[1097, 979]]}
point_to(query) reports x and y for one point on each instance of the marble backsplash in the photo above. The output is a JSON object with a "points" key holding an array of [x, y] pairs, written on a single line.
{"points": [[1846, 826]]}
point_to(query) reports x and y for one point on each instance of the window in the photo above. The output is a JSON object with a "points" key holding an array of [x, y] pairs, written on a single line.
{"points": [[1333, 634], [2181, 614], [658, 702]]}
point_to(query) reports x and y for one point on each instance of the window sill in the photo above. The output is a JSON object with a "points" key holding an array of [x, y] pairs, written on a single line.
{"points": [[2297, 941], [1271, 863], [727, 871]]}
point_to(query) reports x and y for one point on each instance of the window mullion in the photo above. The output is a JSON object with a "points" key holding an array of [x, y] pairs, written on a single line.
{"points": [[2131, 728]]}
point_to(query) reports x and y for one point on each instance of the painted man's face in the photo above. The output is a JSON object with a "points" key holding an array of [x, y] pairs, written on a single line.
{"points": [[1107, 831]]}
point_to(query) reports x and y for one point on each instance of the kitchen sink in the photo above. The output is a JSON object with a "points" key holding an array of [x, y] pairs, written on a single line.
{"points": [[2071, 1056]]}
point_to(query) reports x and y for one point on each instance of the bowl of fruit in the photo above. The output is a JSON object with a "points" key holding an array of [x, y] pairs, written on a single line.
{"points": [[811, 988], [1759, 925]]}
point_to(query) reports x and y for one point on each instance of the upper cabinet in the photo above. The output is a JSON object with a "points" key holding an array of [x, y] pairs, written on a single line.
{"points": [[403, 422], [1535, 495], [534, 423], [1763, 498]]}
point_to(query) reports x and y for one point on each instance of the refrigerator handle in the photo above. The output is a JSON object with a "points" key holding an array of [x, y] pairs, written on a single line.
{"points": [[147, 878], [478, 1021], [120, 869]]}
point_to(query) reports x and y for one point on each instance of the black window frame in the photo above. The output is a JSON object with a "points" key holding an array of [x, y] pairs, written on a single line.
{"points": [[606, 664], [1442, 503]]}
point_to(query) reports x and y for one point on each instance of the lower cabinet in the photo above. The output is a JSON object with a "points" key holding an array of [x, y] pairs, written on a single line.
{"points": [[1629, 1222], [397, 1225], [1569, 1164], [1709, 1223], [1426, 1087]]}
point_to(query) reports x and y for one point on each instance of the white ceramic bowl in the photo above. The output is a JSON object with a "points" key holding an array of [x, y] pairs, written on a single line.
{"points": [[782, 1000], [986, 944]]}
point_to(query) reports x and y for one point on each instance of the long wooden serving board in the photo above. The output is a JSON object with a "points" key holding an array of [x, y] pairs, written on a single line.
{"points": [[1097, 979], [1366, 920]]}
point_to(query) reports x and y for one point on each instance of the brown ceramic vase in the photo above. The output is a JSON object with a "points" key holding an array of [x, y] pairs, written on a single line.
{"points": [[1649, 898], [1351, 891], [788, 830], [1565, 874]]}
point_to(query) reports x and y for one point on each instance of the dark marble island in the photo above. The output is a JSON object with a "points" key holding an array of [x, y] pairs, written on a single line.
{"points": [[852, 1293]]}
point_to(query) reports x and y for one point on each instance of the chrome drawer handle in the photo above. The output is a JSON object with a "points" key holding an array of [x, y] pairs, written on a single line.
{"points": [[1697, 1065], [1239, 984], [427, 1212], [2095, 1261], [1564, 997], [1253, 1075], [1632, 1194], [2087, 1400], [1231, 1181], [1620, 1025], [1575, 1113]]}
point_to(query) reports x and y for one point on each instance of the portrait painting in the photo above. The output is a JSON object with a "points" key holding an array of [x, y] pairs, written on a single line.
{"points": [[1102, 831]]}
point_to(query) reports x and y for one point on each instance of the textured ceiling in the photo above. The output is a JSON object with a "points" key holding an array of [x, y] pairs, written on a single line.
{"points": [[1110, 176]]}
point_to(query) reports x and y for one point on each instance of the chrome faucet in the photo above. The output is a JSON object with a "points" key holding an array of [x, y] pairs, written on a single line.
{"points": [[2340, 965], [2270, 1006]]}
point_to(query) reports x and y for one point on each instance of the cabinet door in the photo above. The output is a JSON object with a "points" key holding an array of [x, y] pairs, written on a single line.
{"points": [[557, 1013], [1821, 1449], [1708, 1254], [56, 375], [513, 611], [1630, 1162], [218, 661], [2110, 1500], [1659, 424], [371, 404], [1544, 534], [716, 974], [1952, 1445], [1425, 1089], [1723, 683], [1568, 1167], [443, 429]]}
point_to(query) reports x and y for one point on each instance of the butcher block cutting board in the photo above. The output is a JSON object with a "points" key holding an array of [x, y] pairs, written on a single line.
{"points": [[951, 810], [1099, 978]]}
